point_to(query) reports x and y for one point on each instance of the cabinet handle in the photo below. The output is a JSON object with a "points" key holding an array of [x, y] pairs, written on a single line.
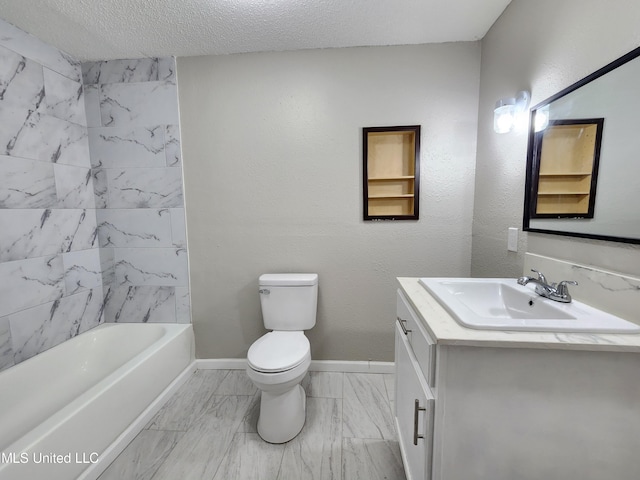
{"points": [[416, 412], [404, 329]]}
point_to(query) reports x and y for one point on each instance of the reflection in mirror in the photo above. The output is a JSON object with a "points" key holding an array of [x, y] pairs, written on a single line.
{"points": [[582, 158], [566, 155]]}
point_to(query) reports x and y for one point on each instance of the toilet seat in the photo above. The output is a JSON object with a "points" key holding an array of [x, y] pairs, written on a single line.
{"points": [[279, 351]]}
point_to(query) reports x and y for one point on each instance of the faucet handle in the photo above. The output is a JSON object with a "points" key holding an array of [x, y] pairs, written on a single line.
{"points": [[562, 288], [541, 276]]}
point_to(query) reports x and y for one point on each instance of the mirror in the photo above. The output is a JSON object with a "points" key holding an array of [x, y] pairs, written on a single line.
{"points": [[583, 165]]}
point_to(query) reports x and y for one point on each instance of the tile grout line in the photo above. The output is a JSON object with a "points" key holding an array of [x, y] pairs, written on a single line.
{"points": [[226, 452], [167, 453], [342, 429], [184, 432]]}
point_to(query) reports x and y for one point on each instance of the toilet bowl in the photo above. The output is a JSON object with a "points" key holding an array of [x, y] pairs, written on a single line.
{"points": [[278, 361], [283, 400]]}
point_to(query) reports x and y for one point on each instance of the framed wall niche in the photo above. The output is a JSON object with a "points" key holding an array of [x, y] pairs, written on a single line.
{"points": [[567, 154], [391, 172]]}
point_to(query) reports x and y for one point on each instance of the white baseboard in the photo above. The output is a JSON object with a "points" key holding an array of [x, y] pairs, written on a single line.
{"points": [[316, 365], [351, 367]]}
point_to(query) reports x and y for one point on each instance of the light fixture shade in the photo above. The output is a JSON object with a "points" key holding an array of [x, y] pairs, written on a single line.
{"points": [[541, 120], [503, 115], [511, 113]]}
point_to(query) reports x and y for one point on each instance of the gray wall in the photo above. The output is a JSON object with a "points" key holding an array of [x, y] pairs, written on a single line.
{"points": [[543, 46], [272, 160]]}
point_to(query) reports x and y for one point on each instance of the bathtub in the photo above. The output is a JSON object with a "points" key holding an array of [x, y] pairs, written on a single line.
{"points": [[68, 412]]}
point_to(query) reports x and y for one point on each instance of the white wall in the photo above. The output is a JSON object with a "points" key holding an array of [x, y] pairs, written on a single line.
{"points": [[272, 160], [543, 46]]}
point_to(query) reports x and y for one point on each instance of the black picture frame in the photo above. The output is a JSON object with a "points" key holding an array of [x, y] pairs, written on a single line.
{"points": [[409, 183]]}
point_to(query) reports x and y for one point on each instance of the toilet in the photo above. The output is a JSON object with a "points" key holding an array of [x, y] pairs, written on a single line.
{"points": [[278, 361]]}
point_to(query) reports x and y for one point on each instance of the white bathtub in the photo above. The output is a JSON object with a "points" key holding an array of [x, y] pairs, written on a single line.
{"points": [[67, 412]]}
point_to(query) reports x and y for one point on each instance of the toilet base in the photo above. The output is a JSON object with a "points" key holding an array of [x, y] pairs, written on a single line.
{"points": [[282, 415]]}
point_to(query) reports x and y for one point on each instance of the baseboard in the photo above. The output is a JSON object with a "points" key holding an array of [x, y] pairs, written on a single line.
{"points": [[316, 365], [351, 367], [120, 443]]}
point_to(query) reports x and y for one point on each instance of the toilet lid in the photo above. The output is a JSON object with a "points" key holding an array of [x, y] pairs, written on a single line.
{"points": [[278, 351]]}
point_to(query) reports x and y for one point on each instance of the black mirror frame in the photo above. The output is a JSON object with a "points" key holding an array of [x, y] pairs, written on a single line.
{"points": [[530, 180]]}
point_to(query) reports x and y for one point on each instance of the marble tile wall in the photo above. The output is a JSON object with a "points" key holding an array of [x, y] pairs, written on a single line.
{"points": [[50, 263], [92, 221], [609, 291], [134, 140]]}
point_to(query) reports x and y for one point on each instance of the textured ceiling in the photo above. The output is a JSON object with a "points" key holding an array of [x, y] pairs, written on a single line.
{"points": [[107, 29]]}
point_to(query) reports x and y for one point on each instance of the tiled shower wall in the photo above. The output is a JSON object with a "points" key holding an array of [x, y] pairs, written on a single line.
{"points": [[50, 279], [91, 220], [134, 137]]}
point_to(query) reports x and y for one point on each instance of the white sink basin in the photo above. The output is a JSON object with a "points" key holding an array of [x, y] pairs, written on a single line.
{"points": [[502, 304]]}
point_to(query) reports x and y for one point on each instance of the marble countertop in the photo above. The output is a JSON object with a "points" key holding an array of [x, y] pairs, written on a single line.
{"points": [[446, 331]]}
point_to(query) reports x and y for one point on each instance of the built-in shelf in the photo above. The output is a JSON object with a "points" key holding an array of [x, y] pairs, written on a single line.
{"points": [[388, 179], [407, 195], [565, 174], [567, 155], [563, 193], [391, 172]]}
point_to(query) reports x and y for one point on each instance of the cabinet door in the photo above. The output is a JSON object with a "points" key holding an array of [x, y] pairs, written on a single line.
{"points": [[414, 412], [422, 345]]}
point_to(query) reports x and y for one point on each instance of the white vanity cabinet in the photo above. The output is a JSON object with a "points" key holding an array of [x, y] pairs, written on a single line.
{"points": [[506, 406], [414, 401]]}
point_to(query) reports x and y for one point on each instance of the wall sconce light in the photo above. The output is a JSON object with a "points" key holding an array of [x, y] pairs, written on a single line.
{"points": [[511, 113], [541, 119]]}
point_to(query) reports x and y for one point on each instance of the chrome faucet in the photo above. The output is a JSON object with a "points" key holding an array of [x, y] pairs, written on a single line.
{"points": [[558, 292], [542, 287]]}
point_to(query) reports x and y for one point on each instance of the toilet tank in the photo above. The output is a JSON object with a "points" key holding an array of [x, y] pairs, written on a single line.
{"points": [[289, 301]]}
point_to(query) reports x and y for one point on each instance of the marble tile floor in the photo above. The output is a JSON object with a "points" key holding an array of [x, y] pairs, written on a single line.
{"points": [[207, 430]]}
